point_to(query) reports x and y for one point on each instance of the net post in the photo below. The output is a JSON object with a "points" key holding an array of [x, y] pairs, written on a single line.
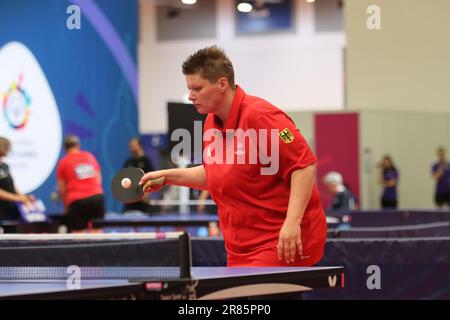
{"points": [[185, 256]]}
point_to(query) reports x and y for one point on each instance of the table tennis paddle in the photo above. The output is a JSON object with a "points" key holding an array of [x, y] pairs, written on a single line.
{"points": [[125, 185]]}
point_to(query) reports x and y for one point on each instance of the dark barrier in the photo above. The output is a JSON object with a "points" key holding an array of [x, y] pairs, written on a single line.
{"points": [[384, 218], [437, 229], [374, 268], [208, 252], [389, 268]]}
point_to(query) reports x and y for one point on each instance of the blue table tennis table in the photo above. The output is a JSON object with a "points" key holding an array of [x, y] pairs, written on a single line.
{"points": [[210, 283]]}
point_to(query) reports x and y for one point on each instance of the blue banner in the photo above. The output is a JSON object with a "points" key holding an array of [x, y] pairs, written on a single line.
{"points": [[67, 67]]}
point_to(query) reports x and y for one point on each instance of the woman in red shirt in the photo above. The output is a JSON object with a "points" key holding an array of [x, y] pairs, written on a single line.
{"points": [[257, 167]]}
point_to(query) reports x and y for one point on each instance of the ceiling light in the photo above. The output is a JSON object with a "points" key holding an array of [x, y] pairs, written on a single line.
{"points": [[244, 7]]}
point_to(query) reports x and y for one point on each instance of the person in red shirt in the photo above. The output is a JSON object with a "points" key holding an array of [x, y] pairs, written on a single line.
{"points": [[79, 185], [257, 167]]}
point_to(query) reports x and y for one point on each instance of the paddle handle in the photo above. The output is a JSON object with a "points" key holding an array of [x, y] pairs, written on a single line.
{"points": [[155, 182]]}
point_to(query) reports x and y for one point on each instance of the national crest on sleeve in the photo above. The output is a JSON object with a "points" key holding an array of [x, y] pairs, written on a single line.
{"points": [[286, 136]]}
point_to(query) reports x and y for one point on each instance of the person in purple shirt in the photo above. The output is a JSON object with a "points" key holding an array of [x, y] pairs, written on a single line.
{"points": [[389, 179], [441, 174]]}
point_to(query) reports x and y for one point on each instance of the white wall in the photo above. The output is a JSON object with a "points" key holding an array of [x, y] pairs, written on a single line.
{"points": [[399, 80], [301, 70], [411, 138], [304, 120], [405, 65]]}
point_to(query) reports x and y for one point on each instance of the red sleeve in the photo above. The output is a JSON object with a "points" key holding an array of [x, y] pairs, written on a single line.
{"points": [[294, 151]]}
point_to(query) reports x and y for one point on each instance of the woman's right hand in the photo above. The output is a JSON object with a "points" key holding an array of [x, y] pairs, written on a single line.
{"points": [[153, 181]]}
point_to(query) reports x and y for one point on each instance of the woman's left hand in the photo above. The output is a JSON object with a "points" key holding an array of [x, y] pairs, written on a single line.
{"points": [[289, 242]]}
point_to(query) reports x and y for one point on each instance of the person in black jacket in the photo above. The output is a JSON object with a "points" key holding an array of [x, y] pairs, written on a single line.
{"points": [[140, 160], [9, 194], [342, 197]]}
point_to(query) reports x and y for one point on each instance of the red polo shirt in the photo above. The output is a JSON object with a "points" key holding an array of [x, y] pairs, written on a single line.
{"points": [[252, 206], [80, 172]]}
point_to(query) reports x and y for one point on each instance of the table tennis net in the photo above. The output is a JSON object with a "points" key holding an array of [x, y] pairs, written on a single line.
{"points": [[97, 258]]}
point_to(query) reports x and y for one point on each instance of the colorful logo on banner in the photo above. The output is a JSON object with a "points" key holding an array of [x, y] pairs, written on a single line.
{"points": [[16, 105], [29, 117]]}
